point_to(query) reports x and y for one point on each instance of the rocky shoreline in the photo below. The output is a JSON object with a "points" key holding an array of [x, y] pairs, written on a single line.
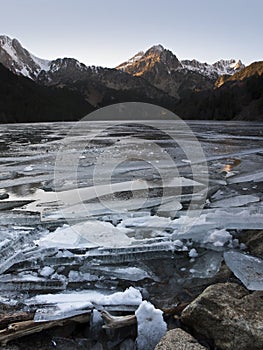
{"points": [[224, 316]]}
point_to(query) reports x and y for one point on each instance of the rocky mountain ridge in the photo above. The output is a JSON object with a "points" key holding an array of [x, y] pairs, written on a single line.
{"points": [[158, 66], [223, 90], [165, 71]]}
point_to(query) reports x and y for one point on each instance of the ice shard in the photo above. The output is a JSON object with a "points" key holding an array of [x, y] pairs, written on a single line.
{"points": [[247, 268]]}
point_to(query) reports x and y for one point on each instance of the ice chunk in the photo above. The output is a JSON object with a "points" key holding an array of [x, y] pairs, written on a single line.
{"points": [[206, 265], [218, 237], [46, 271], [193, 253], [77, 276], [5, 205], [10, 261], [68, 304], [132, 253], [255, 177], [87, 234], [247, 268], [124, 273], [151, 326], [146, 221], [28, 168], [235, 201], [29, 282]]}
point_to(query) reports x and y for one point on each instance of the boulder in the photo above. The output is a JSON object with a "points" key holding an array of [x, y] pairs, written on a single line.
{"points": [[179, 340], [229, 315]]}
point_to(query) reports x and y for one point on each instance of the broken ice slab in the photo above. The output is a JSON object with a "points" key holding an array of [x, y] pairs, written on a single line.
{"points": [[132, 273], [104, 214], [11, 252], [7, 205], [78, 276], [161, 250], [81, 195], [237, 219], [235, 201], [247, 268], [33, 259], [220, 218], [112, 208], [66, 304], [26, 180], [206, 265], [21, 218], [256, 176], [11, 260], [87, 234], [28, 283], [36, 262]]}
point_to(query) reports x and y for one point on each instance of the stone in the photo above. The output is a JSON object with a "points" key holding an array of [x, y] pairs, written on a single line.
{"points": [[229, 315], [254, 242], [179, 340]]}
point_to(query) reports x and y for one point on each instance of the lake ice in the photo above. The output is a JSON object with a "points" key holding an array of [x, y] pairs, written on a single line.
{"points": [[118, 206]]}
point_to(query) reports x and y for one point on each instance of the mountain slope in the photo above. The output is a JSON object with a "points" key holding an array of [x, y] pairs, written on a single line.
{"points": [[22, 100], [102, 86], [255, 68], [162, 69], [20, 61], [65, 89], [96, 85], [239, 97]]}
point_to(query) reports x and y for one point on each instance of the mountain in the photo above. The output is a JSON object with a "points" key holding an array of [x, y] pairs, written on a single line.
{"points": [[18, 60], [102, 86], [162, 69], [98, 86], [239, 96], [256, 68], [22, 100], [34, 89]]}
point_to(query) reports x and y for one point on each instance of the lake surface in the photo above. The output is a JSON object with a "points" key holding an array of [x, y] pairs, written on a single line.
{"points": [[109, 205]]}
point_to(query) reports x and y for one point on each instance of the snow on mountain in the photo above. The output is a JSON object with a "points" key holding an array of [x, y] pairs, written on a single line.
{"points": [[130, 62], [214, 70], [228, 66], [159, 66], [19, 60], [43, 64], [159, 53]]}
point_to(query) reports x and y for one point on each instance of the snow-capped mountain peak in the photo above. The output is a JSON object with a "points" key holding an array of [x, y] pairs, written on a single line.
{"points": [[213, 71], [19, 60], [228, 67]]}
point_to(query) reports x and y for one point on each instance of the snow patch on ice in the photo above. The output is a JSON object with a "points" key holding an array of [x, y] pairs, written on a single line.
{"points": [[151, 326]]}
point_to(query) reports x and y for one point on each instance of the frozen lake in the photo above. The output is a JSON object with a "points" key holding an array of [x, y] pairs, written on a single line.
{"points": [[102, 206]]}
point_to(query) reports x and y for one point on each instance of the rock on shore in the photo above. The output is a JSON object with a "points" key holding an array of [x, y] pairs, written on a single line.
{"points": [[229, 315], [179, 340]]}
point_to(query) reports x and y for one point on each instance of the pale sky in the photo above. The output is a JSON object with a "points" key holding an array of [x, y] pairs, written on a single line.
{"points": [[108, 32]]}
